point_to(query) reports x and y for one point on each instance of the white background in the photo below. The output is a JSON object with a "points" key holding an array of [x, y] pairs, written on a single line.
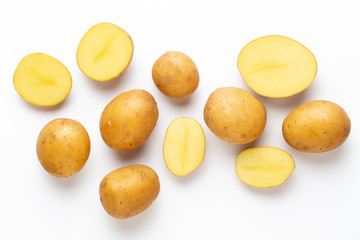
{"points": [[321, 198]]}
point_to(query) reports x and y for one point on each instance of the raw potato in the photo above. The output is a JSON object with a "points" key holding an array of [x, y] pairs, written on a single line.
{"points": [[264, 167], [129, 191], [104, 52], [42, 80], [277, 66], [175, 74], [128, 120], [184, 146], [316, 127], [234, 115], [63, 147]]}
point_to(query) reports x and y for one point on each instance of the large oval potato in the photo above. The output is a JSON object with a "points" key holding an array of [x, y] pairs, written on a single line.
{"points": [[128, 191], [316, 126], [235, 115], [63, 147], [128, 120]]}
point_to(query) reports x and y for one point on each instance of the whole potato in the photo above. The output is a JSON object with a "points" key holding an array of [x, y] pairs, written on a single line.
{"points": [[316, 127], [128, 191], [175, 74], [63, 147], [234, 115], [128, 120]]}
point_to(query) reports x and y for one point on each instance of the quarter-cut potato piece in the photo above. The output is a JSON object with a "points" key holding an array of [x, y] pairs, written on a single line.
{"points": [[42, 80], [104, 52], [264, 167], [184, 146], [63, 147], [277, 66], [316, 127]]}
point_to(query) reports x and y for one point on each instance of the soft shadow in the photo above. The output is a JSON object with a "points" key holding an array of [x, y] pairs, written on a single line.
{"points": [[50, 108], [177, 102], [65, 183], [129, 155]]}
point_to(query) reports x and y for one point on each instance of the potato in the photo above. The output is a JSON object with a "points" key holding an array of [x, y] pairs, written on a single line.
{"points": [[42, 80], [175, 74], [184, 146], [128, 191], [128, 120], [104, 52], [277, 66], [234, 115], [264, 167], [63, 147], [316, 127]]}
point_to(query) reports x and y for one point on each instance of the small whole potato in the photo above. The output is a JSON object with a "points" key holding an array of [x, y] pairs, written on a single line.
{"points": [[63, 147], [128, 120], [128, 191], [235, 115], [316, 127], [175, 74]]}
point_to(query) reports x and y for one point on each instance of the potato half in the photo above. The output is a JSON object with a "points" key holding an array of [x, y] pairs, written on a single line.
{"points": [[104, 52], [264, 167], [184, 146], [277, 66], [63, 147], [316, 127], [128, 191], [42, 80]]}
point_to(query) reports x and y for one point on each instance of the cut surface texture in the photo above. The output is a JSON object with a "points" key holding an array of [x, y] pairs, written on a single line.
{"points": [[277, 66], [264, 167], [184, 146]]}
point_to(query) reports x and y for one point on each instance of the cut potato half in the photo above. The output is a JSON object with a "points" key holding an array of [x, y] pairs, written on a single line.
{"points": [[42, 80], [264, 167], [104, 52], [277, 66], [184, 146]]}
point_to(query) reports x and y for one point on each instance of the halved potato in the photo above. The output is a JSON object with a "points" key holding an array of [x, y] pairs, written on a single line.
{"points": [[184, 146], [104, 52], [264, 167], [277, 66], [42, 80]]}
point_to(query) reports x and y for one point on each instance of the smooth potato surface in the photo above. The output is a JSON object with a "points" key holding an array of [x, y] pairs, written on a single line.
{"points": [[316, 127], [128, 191]]}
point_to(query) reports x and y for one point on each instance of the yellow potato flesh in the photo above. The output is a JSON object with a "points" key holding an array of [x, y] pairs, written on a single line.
{"points": [[277, 66], [42, 80], [104, 52], [264, 167], [184, 146]]}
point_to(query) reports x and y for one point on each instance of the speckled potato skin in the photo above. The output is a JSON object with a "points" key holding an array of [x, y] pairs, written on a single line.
{"points": [[128, 120], [63, 147], [175, 74], [235, 115], [128, 191], [316, 127]]}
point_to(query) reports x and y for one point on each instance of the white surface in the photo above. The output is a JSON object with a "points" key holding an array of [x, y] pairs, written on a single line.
{"points": [[319, 201]]}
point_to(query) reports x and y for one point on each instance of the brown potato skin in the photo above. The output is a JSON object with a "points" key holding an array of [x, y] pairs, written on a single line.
{"points": [[235, 115], [316, 127], [63, 147], [128, 120], [175, 74], [128, 191]]}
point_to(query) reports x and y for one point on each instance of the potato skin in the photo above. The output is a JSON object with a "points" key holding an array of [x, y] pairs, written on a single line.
{"points": [[128, 120], [63, 147], [175, 74], [128, 191], [235, 115], [316, 127]]}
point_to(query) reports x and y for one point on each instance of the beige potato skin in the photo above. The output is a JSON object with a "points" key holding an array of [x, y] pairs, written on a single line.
{"points": [[63, 147], [128, 120], [128, 191], [175, 74], [317, 126], [235, 115]]}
